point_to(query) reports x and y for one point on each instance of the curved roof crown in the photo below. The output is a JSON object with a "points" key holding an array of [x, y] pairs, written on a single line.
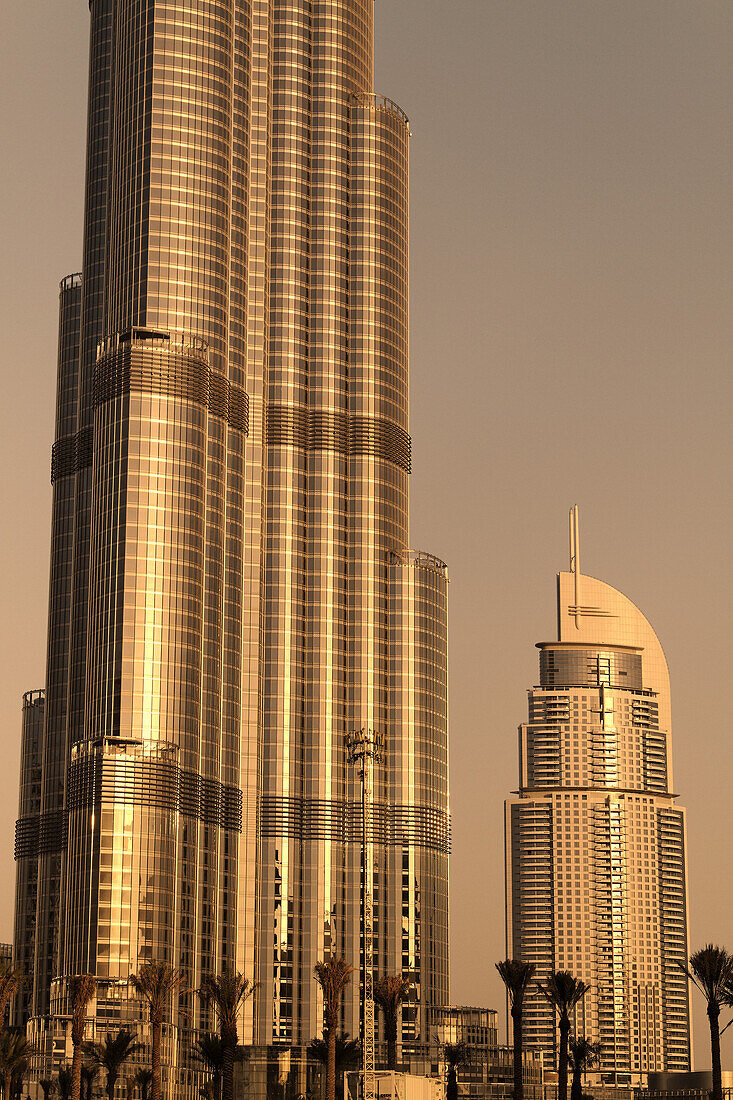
{"points": [[601, 615]]}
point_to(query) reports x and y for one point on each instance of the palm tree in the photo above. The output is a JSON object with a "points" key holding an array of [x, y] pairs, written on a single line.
{"points": [[144, 1078], [15, 1056], [564, 992], [10, 982], [208, 1052], [455, 1055], [333, 975], [156, 983], [711, 970], [583, 1056], [82, 988], [227, 993], [64, 1083], [348, 1056], [88, 1076], [112, 1054], [48, 1088], [516, 976], [389, 993]]}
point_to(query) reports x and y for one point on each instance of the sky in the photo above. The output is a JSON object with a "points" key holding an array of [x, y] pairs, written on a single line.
{"points": [[572, 332]]}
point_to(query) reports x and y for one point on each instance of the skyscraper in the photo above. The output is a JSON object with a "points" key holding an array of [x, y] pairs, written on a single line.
{"points": [[595, 844], [232, 589]]}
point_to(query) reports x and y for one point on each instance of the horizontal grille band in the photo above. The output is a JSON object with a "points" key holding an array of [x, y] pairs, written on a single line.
{"points": [[393, 825], [38, 834], [317, 430], [160, 784], [183, 373], [71, 453]]}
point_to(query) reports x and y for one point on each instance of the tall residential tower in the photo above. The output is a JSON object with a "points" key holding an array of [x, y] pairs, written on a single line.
{"points": [[232, 589], [596, 846]]}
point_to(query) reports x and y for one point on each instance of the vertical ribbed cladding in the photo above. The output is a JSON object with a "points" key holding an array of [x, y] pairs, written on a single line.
{"points": [[378, 416], [170, 173], [341, 67], [26, 851], [416, 871], [67, 457], [286, 459], [257, 345], [101, 44], [243, 531], [167, 581]]}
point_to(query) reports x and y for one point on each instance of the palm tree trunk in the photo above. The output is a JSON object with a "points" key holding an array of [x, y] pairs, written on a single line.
{"points": [[111, 1082], [562, 1065], [227, 1072], [6, 1086], [713, 1017], [76, 1073], [391, 1029], [155, 1061], [576, 1089], [452, 1090], [518, 1051], [330, 1065]]}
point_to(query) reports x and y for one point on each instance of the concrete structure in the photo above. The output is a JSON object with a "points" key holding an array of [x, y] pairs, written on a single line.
{"points": [[696, 1083], [595, 843], [232, 589], [487, 1073]]}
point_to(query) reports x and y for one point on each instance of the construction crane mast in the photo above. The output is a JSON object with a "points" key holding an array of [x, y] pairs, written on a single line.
{"points": [[365, 749]]}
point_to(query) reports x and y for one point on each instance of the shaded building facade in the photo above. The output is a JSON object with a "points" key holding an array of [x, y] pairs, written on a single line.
{"points": [[232, 589], [595, 843]]}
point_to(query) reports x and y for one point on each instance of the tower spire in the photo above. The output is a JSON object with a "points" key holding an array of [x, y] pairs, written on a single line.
{"points": [[575, 556]]}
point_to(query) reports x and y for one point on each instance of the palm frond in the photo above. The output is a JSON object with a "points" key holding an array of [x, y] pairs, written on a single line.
{"points": [[516, 976], [711, 971], [564, 992], [82, 988], [227, 992], [333, 975], [583, 1054], [157, 983]]}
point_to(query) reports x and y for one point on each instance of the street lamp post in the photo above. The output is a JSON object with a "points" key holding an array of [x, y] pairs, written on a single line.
{"points": [[365, 747]]}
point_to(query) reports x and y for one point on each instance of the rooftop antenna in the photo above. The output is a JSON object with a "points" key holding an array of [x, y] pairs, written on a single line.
{"points": [[575, 557]]}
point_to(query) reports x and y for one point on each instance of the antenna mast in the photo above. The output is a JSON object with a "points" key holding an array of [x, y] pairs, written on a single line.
{"points": [[575, 557]]}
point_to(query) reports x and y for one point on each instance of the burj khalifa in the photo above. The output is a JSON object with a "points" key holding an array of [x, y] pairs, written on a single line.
{"points": [[232, 589]]}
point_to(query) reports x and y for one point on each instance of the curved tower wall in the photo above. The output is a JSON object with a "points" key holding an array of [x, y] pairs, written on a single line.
{"points": [[239, 528], [415, 878], [70, 457], [155, 796], [27, 831], [596, 846]]}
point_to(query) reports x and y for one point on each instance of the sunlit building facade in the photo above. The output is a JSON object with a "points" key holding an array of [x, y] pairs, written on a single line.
{"points": [[232, 589], [595, 843]]}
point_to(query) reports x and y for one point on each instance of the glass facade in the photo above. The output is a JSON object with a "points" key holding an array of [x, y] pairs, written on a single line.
{"points": [[232, 589], [596, 849]]}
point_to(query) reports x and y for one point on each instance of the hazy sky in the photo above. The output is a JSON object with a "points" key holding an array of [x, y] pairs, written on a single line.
{"points": [[572, 331]]}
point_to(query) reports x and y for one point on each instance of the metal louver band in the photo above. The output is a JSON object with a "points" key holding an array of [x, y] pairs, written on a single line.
{"points": [[160, 784], [316, 430], [340, 821], [173, 369], [38, 834], [71, 453]]}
